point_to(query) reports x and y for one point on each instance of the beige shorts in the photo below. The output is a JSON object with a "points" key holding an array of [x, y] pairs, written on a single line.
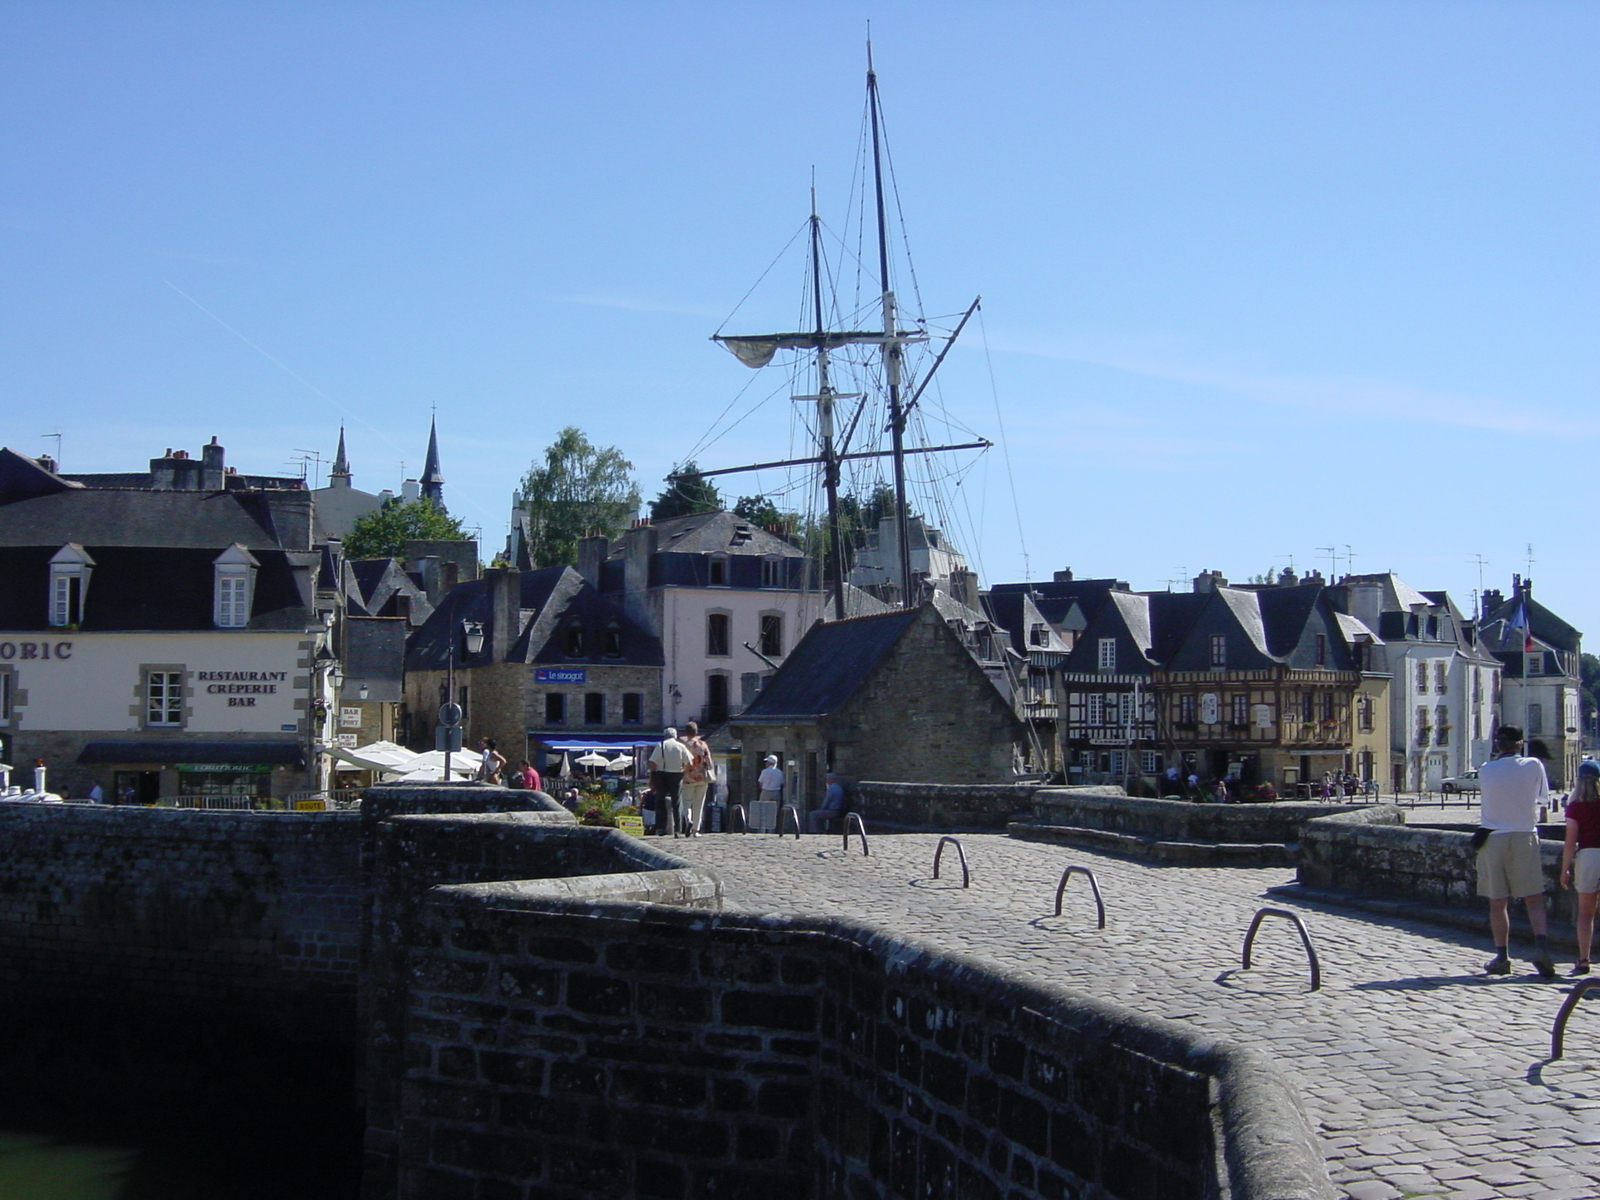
{"points": [[1509, 866], [1586, 870]]}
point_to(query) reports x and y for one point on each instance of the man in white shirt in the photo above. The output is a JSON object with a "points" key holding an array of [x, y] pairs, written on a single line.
{"points": [[771, 780], [667, 763], [1509, 863]]}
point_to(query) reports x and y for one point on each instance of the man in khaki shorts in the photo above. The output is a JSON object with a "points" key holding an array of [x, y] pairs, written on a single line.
{"points": [[1509, 863]]}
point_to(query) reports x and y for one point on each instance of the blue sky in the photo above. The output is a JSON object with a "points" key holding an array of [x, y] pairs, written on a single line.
{"points": [[1258, 279]]}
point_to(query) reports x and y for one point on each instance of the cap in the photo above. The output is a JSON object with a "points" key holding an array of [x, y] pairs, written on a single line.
{"points": [[771, 758], [1589, 767]]}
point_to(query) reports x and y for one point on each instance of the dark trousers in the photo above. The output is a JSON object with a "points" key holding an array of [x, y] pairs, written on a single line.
{"points": [[669, 817]]}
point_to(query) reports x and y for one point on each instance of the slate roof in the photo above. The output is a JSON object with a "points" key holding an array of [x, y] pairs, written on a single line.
{"points": [[21, 477], [1546, 627], [714, 533], [374, 654], [830, 663], [175, 519]]}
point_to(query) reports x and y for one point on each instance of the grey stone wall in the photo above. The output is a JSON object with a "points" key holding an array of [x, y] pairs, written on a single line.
{"points": [[943, 805], [1179, 820], [1372, 851], [565, 1051], [250, 911]]}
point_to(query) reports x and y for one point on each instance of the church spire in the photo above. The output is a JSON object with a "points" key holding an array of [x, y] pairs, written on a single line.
{"points": [[339, 475], [432, 478]]}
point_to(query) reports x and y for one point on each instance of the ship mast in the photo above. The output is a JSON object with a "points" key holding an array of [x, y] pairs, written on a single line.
{"points": [[825, 398]]}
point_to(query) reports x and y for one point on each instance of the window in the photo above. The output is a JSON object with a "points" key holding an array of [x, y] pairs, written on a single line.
{"points": [[8, 695], [1322, 649], [716, 698], [572, 640], [1441, 677], [719, 570], [1241, 710], [594, 708], [1327, 706], [633, 708], [1186, 710], [771, 572], [234, 573], [1535, 719], [555, 708], [1422, 679], [1422, 725], [1364, 713], [1097, 708], [1125, 709], [717, 634], [1441, 726], [1108, 654], [1477, 687], [1037, 635], [772, 635], [1149, 762], [163, 695], [1535, 663], [70, 568], [613, 640], [1219, 649], [1307, 708]]}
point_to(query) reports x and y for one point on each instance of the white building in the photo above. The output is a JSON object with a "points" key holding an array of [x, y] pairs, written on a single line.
{"points": [[1540, 654]]}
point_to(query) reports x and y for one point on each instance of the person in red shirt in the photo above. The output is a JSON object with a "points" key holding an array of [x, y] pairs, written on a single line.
{"points": [[530, 777], [1582, 849]]}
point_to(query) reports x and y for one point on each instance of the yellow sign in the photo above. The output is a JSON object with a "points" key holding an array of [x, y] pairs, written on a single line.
{"points": [[311, 806], [631, 824]]}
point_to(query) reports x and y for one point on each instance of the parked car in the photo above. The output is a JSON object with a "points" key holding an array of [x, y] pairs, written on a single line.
{"points": [[1461, 783]]}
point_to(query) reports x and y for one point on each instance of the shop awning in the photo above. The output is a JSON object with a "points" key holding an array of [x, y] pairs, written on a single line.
{"points": [[223, 754], [598, 741]]}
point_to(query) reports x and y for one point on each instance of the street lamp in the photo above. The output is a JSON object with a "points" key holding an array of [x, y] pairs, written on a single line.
{"points": [[450, 712]]}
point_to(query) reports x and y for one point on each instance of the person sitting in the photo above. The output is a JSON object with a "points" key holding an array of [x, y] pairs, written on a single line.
{"points": [[833, 806]]}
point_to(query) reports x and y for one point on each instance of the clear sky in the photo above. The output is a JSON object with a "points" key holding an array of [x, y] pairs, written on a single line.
{"points": [[1259, 279]]}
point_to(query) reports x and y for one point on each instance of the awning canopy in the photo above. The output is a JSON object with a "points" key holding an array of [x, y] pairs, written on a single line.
{"points": [[598, 741], [223, 754]]}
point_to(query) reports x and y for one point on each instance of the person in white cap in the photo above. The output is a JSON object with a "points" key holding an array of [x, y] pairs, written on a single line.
{"points": [[771, 780]]}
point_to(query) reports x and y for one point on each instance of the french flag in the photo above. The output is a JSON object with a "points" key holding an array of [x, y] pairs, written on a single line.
{"points": [[1519, 620]]}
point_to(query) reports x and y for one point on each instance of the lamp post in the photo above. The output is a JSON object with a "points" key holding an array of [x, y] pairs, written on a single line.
{"points": [[450, 712]]}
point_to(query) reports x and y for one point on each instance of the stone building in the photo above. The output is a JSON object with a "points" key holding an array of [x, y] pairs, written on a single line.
{"points": [[159, 631], [896, 697], [1539, 655], [562, 667]]}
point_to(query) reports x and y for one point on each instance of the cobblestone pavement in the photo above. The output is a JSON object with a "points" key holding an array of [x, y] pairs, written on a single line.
{"points": [[1427, 1077]]}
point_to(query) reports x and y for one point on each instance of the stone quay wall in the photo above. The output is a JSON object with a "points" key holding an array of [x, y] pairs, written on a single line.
{"points": [[257, 913], [562, 1050], [1372, 851], [1180, 820], [942, 805]]}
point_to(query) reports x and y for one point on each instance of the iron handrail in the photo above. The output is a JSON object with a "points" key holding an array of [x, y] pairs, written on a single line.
{"points": [[966, 876], [1099, 904], [793, 812], [744, 819], [860, 828], [1305, 940], [1558, 1031]]}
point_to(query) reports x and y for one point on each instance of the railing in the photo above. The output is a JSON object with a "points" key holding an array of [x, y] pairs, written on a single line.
{"points": [[1558, 1031], [850, 819], [744, 819], [218, 802], [1099, 904], [332, 800], [966, 876], [793, 812], [1305, 940]]}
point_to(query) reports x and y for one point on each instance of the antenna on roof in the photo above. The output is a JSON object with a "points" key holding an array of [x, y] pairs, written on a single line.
{"points": [[311, 456], [57, 436]]}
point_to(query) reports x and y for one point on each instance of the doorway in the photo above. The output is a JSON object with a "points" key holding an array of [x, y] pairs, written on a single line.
{"points": [[136, 787]]}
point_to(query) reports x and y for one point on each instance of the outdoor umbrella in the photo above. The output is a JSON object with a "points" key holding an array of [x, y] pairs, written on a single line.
{"points": [[592, 759], [621, 762]]}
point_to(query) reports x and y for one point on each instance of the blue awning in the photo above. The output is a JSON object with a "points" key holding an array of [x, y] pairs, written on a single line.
{"points": [[597, 741]]}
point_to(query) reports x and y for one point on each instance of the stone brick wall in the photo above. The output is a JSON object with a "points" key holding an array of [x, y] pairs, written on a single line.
{"points": [[1373, 851], [250, 911], [1179, 820], [943, 805], [564, 1051]]}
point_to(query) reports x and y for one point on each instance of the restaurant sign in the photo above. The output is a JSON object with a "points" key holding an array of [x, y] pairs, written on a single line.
{"points": [[228, 768], [561, 675]]}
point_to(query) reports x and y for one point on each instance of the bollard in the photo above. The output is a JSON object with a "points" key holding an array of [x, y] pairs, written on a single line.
{"points": [[861, 829], [966, 876], [793, 812], [1099, 904], [1305, 940]]}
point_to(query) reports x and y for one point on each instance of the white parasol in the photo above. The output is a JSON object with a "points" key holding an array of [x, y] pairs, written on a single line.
{"points": [[592, 759]]}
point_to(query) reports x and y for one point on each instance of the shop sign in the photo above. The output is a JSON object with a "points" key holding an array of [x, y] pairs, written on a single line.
{"points": [[561, 675], [39, 650], [228, 768], [350, 718], [311, 806], [631, 823], [346, 741]]}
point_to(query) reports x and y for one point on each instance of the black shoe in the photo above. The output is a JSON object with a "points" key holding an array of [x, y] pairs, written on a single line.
{"points": [[1581, 967], [1543, 965], [1498, 965]]}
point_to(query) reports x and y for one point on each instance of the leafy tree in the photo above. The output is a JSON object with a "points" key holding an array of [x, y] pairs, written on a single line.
{"points": [[577, 490], [686, 496], [759, 510], [384, 532], [1589, 686]]}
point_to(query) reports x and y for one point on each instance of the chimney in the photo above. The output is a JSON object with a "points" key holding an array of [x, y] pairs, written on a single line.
{"points": [[428, 567], [592, 553], [410, 490], [1064, 576], [504, 585], [47, 463], [213, 476], [639, 548], [1209, 581], [1287, 578], [964, 586]]}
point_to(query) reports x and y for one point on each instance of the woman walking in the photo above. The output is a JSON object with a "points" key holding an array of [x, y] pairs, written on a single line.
{"points": [[1583, 844]]}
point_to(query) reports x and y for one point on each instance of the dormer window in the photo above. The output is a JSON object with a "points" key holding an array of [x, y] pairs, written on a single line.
{"points": [[613, 640], [719, 570], [70, 568], [572, 640], [771, 572], [234, 585], [1108, 654]]}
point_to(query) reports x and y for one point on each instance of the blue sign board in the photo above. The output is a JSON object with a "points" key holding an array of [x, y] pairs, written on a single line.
{"points": [[561, 675]]}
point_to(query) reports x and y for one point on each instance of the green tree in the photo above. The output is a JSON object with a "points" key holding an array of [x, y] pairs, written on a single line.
{"points": [[759, 510], [685, 496], [1589, 687], [577, 490], [384, 532]]}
